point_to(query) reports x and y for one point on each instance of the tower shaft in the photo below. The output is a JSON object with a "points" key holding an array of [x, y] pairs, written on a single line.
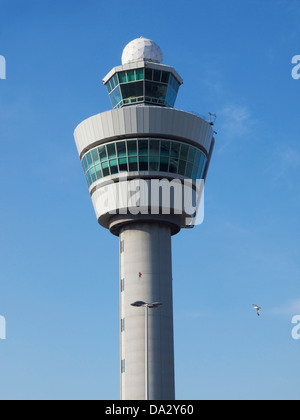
{"points": [[146, 275]]}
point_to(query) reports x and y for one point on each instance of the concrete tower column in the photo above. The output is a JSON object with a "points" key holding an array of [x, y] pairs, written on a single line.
{"points": [[146, 275]]}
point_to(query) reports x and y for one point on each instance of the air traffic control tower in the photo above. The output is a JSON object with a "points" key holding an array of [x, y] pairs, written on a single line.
{"points": [[143, 138]]}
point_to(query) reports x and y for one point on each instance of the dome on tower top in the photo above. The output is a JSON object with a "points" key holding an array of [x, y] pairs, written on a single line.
{"points": [[142, 49]]}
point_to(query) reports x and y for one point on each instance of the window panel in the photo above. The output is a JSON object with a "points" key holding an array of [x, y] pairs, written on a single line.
{"points": [[184, 151], [175, 147], [84, 164], [143, 163], [95, 156], [154, 147], [89, 159], [121, 149], [194, 172], [165, 77], [112, 83], [133, 166], [88, 178], [122, 77], [105, 169], [93, 173], [148, 74], [156, 75], [139, 74], [171, 97], [189, 169], [197, 158], [173, 165], [191, 155], [155, 90], [181, 167], [132, 90], [108, 87], [115, 96], [113, 166], [131, 147], [102, 153], [111, 150], [98, 171], [153, 163], [131, 75], [164, 148], [123, 165], [143, 147], [115, 79], [164, 164]]}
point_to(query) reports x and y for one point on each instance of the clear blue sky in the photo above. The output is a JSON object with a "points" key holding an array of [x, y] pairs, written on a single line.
{"points": [[59, 272]]}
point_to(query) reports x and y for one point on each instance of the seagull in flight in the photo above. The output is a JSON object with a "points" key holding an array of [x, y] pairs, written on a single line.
{"points": [[258, 308]]}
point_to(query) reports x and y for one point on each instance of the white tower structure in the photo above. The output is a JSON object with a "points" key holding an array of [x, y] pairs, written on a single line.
{"points": [[143, 138]]}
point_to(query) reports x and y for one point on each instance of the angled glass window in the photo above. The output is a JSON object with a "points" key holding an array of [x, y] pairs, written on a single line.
{"points": [[133, 166], [155, 90], [93, 174], [148, 74], [175, 148], [143, 147], [173, 165], [139, 74], [89, 160], [98, 171], [197, 157], [153, 163], [123, 165], [156, 75], [188, 170], [164, 148], [132, 148], [105, 168], [191, 155], [113, 166], [95, 156], [131, 75], [111, 150], [102, 153], [194, 172], [154, 147], [132, 90], [121, 149], [122, 77], [84, 164], [184, 151], [181, 167], [115, 96], [143, 163], [165, 77], [164, 164]]}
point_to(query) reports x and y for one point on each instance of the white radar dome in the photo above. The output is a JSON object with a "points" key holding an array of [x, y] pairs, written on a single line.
{"points": [[142, 49]]}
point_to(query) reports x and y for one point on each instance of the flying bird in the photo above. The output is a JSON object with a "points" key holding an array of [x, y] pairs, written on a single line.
{"points": [[258, 308]]}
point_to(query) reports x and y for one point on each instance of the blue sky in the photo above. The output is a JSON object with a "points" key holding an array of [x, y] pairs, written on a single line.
{"points": [[59, 271]]}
